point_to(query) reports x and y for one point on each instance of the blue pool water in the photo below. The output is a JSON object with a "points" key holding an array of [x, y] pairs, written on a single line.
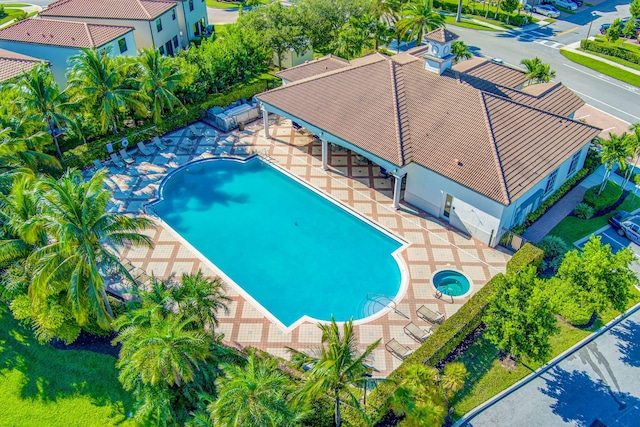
{"points": [[292, 250], [451, 283]]}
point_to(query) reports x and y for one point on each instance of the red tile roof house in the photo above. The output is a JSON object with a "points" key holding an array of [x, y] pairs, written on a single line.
{"points": [[478, 148], [56, 41], [13, 64], [159, 24]]}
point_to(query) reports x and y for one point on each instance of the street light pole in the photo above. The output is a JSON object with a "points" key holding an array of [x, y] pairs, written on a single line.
{"points": [[593, 17]]}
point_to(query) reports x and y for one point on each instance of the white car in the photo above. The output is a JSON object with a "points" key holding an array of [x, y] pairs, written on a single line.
{"points": [[546, 10], [567, 4]]}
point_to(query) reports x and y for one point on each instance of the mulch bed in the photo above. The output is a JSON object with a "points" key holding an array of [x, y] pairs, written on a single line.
{"points": [[462, 347], [90, 342]]}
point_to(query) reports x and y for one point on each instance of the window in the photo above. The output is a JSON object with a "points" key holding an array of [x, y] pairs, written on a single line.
{"points": [[175, 41], [159, 24], [190, 5], [161, 50], [173, 14], [551, 181], [574, 163], [122, 44]]}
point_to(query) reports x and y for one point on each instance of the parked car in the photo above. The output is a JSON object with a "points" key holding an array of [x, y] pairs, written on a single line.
{"points": [[546, 10], [567, 4], [631, 228], [616, 221], [605, 27]]}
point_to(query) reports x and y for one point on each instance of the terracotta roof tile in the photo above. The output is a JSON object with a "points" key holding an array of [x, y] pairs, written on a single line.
{"points": [[110, 9], [13, 64], [54, 32], [495, 73], [441, 35], [490, 138], [313, 68]]}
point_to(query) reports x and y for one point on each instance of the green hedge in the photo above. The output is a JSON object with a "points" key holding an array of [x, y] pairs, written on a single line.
{"points": [[610, 50], [438, 346], [526, 255], [514, 19], [611, 194]]}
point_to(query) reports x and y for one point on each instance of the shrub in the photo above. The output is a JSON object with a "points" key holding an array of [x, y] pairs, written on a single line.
{"points": [[554, 248], [611, 194], [583, 211], [526, 255], [618, 51]]}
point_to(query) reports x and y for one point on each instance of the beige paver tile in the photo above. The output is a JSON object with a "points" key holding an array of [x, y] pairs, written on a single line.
{"points": [[250, 332], [249, 311], [309, 333], [158, 268], [232, 308], [226, 328], [442, 254], [276, 334], [368, 334]]}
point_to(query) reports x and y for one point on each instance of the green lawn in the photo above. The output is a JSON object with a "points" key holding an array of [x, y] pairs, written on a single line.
{"points": [[451, 20], [42, 386], [15, 4], [487, 376], [573, 228], [601, 67], [231, 4], [617, 60], [10, 14]]}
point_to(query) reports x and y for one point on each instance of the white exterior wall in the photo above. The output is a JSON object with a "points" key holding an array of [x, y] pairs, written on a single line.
{"points": [[187, 18], [170, 29], [471, 212]]}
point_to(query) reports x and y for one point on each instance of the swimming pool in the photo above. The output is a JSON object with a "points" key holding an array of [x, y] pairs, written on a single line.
{"points": [[293, 251]]}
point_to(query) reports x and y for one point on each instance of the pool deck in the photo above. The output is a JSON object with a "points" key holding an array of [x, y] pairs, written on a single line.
{"points": [[433, 245]]}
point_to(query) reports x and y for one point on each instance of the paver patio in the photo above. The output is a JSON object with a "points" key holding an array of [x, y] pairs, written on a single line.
{"points": [[351, 181]]}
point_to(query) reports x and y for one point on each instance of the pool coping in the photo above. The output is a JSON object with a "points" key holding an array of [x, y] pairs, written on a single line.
{"points": [[404, 274]]}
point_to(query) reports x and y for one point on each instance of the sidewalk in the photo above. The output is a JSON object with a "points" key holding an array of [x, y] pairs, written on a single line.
{"points": [[573, 47]]}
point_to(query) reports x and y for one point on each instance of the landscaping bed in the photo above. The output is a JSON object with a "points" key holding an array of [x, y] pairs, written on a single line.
{"points": [[602, 67]]}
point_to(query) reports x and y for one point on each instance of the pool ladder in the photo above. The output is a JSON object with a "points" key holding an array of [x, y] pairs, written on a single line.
{"points": [[385, 300], [266, 158]]}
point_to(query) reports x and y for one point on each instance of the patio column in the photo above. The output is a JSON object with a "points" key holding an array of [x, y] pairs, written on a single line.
{"points": [[325, 154], [265, 121], [397, 188]]}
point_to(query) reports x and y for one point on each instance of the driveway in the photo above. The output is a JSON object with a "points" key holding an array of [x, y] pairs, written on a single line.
{"points": [[597, 382]]}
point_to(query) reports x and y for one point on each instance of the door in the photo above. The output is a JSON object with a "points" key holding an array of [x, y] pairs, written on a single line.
{"points": [[447, 206]]}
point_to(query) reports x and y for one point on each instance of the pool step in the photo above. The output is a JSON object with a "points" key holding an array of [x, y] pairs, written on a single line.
{"points": [[376, 302]]}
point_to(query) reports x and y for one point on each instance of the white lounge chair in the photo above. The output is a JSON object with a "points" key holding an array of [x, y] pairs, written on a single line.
{"points": [[143, 149], [425, 313], [195, 131], [397, 349], [116, 160], [417, 333], [126, 157], [98, 165], [158, 143]]}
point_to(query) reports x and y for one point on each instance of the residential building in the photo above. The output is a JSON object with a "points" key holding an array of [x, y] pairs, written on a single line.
{"points": [[56, 41], [475, 147], [13, 64], [159, 24]]}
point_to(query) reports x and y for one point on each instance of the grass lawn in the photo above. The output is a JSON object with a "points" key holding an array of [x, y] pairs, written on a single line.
{"points": [[617, 60], [451, 20], [10, 14], [231, 4], [15, 4], [487, 376], [42, 386], [573, 228], [603, 68]]}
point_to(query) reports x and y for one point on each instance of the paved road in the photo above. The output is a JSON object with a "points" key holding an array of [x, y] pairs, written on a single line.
{"points": [[597, 382]]}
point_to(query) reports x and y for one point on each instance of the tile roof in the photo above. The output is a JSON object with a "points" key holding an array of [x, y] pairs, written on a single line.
{"points": [[54, 32], [313, 68], [498, 144], [441, 35], [491, 71], [110, 9], [13, 64]]}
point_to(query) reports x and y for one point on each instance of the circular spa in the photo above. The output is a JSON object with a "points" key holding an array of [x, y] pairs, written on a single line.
{"points": [[451, 283]]}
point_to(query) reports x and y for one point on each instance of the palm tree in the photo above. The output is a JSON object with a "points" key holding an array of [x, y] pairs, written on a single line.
{"points": [[201, 298], [45, 102], [97, 81], [418, 19], [158, 81], [614, 151], [80, 231], [537, 71], [338, 367], [460, 51], [253, 395], [459, 11], [634, 150], [165, 352]]}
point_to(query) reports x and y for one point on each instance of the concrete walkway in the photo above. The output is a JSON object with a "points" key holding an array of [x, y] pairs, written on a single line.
{"points": [[574, 47]]}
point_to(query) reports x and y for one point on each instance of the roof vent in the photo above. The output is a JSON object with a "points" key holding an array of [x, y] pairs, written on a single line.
{"points": [[458, 162], [28, 33], [50, 35]]}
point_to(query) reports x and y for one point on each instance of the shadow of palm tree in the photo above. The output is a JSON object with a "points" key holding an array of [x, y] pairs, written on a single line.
{"points": [[628, 334]]}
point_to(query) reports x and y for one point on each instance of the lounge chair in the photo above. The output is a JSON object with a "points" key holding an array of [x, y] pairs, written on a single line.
{"points": [[98, 164], [425, 313], [158, 143], [116, 160], [195, 131], [397, 349], [417, 333], [144, 149], [126, 157]]}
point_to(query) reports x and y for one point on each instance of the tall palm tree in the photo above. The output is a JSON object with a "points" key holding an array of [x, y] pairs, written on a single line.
{"points": [[165, 352], [460, 51], [201, 298], [159, 80], [538, 71], [97, 81], [614, 152], [417, 20], [253, 395], [633, 142], [337, 369], [81, 231], [45, 102]]}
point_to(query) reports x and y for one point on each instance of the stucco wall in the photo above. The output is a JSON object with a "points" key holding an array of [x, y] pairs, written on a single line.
{"points": [[187, 18], [291, 58]]}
